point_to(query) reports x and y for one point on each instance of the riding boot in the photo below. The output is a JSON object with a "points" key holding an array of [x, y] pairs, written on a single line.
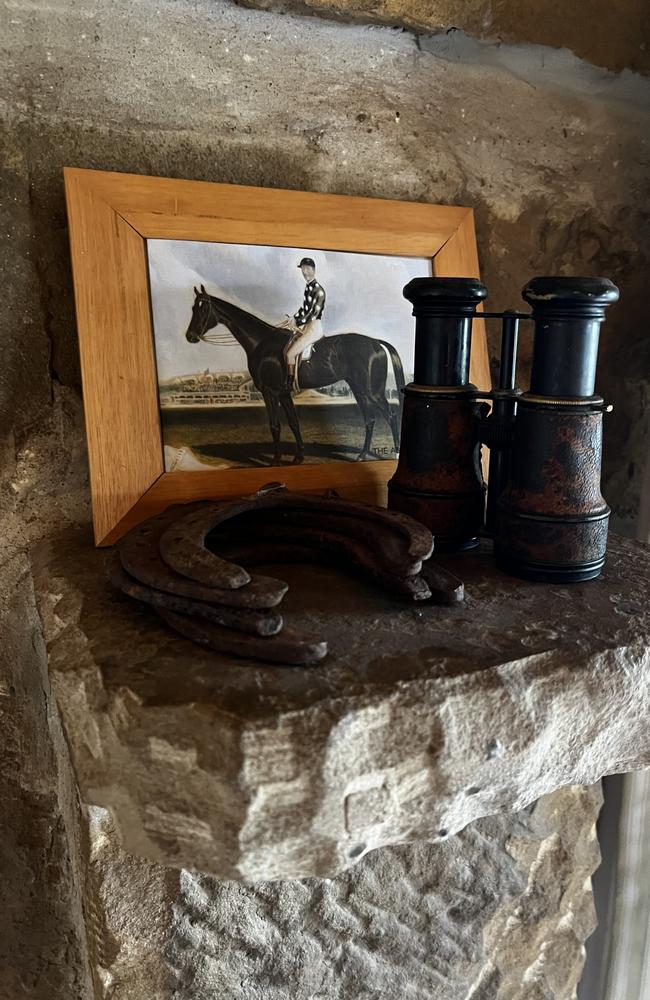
{"points": [[291, 370]]}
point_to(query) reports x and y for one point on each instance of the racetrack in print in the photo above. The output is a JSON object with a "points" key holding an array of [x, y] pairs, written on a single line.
{"points": [[239, 436], [223, 317]]}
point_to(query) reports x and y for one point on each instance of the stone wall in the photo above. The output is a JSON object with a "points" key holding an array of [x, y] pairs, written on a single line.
{"points": [[613, 35], [43, 944]]}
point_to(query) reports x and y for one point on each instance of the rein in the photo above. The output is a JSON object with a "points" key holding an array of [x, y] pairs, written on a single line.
{"points": [[219, 338]]}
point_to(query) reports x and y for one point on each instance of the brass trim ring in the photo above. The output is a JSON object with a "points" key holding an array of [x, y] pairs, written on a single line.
{"points": [[594, 402]]}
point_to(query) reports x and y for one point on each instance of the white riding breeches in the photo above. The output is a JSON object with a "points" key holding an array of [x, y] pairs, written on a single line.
{"points": [[309, 334]]}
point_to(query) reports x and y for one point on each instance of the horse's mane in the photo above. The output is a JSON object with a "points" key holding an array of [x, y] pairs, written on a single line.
{"points": [[244, 314]]}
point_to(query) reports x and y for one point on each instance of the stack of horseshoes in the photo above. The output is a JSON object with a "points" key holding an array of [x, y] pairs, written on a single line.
{"points": [[170, 562]]}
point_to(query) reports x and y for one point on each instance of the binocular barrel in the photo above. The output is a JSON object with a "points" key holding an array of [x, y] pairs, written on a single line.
{"points": [[551, 519], [545, 510], [443, 310], [438, 480], [567, 314]]}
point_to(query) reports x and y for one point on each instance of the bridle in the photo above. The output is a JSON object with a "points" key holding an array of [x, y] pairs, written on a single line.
{"points": [[208, 336]]}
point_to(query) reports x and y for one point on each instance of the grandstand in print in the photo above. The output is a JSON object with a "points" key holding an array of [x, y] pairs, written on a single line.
{"points": [[221, 388]]}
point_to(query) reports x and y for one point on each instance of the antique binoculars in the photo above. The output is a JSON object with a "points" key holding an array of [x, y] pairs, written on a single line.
{"points": [[543, 508]]}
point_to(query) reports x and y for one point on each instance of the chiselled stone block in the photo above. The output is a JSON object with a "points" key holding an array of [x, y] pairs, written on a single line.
{"points": [[499, 910], [422, 720]]}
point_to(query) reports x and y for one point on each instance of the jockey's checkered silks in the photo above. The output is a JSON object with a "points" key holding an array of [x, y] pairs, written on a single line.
{"points": [[306, 322], [313, 304]]}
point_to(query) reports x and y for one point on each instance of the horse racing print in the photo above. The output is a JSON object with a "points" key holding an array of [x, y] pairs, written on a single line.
{"points": [[275, 355]]}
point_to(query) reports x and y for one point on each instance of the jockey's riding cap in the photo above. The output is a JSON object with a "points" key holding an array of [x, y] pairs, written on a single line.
{"points": [[307, 262]]}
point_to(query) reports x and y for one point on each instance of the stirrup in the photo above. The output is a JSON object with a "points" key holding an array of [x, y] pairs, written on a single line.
{"points": [[294, 385]]}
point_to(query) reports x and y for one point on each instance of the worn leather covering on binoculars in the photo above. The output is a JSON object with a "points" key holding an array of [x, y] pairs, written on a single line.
{"points": [[548, 517]]}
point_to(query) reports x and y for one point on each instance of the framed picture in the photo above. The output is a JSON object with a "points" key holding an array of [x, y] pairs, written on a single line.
{"points": [[232, 336]]}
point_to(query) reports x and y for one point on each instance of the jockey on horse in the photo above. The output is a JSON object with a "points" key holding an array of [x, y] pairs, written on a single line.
{"points": [[305, 325]]}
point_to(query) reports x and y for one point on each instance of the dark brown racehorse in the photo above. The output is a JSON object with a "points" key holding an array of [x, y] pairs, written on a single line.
{"points": [[352, 357]]}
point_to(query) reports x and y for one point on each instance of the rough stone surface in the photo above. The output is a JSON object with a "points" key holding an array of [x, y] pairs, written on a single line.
{"points": [[420, 721], [615, 35], [43, 950], [500, 910]]}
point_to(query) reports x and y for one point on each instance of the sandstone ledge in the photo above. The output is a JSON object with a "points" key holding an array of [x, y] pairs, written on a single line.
{"points": [[421, 721]]}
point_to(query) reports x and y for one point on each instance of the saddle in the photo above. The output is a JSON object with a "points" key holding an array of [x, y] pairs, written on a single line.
{"points": [[305, 355]]}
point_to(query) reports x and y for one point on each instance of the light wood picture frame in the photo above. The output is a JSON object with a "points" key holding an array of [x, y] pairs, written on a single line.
{"points": [[111, 216]]}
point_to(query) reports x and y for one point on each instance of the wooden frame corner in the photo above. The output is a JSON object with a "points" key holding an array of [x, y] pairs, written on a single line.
{"points": [[111, 216]]}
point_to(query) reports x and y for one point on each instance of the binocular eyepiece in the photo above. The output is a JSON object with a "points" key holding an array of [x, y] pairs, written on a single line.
{"points": [[544, 507]]}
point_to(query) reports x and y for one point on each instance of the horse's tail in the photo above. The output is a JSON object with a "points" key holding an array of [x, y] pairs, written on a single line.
{"points": [[398, 371]]}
